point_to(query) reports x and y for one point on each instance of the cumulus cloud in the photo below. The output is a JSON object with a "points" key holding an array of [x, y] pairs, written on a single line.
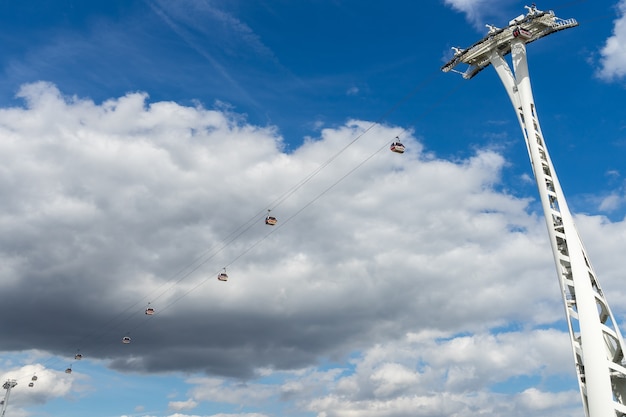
{"points": [[353, 91], [613, 54], [473, 9], [182, 405], [47, 384], [422, 375], [478, 11], [418, 273], [221, 415]]}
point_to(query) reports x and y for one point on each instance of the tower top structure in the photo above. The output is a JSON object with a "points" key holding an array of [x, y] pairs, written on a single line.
{"points": [[530, 27]]}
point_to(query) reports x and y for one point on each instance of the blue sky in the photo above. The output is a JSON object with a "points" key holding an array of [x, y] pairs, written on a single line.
{"points": [[142, 143]]}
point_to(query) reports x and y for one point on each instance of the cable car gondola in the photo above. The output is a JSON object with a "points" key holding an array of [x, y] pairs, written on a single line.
{"points": [[78, 356], [149, 310], [126, 340], [31, 384], [520, 32], [34, 378], [397, 146], [68, 370], [270, 220], [223, 276]]}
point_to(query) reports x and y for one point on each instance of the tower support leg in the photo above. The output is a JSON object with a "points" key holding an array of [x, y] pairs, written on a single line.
{"points": [[595, 338]]}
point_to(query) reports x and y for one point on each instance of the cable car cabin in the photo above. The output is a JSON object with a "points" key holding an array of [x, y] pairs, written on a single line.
{"points": [[31, 384], [397, 147], [78, 356], [34, 378], [126, 340], [519, 32], [68, 371], [149, 311], [222, 276], [271, 220]]}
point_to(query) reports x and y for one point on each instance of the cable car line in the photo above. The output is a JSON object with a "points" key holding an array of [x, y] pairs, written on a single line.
{"points": [[210, 253], [246, 226], [273, 230], [308, 178], [112, 323], [378, 121], [224, 276], [201, 260]]}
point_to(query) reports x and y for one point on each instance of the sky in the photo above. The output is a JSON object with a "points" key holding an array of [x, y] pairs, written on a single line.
{"points": [[142, 143]]}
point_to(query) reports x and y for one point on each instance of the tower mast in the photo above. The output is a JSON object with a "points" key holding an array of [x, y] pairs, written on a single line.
{"points": [[596, 340], [10, 384]]}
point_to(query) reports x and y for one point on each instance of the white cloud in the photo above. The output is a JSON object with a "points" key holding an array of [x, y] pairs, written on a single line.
{"points": [[611, 202], [417, 375], [535, 400], [426, 373], [182, 405], [221, 415], [473, 9], [238, 415], [184, 415], [218, 390], [352, 91], [49, 384], [478, 12], [613, 54], [419, 269]]}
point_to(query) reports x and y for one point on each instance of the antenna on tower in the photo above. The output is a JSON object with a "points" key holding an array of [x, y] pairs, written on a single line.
{"points": [[595, 337]]}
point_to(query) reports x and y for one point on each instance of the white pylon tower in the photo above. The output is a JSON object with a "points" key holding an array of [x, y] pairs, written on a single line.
{"points": [[10, 384], [596, 340]]}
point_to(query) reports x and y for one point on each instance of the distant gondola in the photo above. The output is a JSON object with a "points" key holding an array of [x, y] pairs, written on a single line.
{"points": [[149, 311], [397, 146], [126, 340], [68, 371], [223, 276], [270, 220]]}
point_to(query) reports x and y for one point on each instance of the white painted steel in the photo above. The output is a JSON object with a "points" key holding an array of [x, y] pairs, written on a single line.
{"points": [[537, 23], [8, 386], [596, 340]]}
